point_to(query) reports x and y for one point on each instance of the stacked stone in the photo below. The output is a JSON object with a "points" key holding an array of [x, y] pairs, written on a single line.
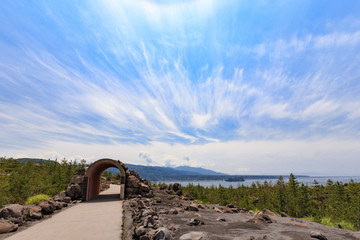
{"points": [[135, 185]]}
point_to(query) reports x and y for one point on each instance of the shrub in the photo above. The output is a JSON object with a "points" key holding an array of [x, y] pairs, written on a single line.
{"points": [[327, 222], [36, 199], [346, 225]]}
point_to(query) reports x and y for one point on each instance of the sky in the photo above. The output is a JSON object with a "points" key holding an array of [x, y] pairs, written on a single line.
{"points": [[240, 87]]}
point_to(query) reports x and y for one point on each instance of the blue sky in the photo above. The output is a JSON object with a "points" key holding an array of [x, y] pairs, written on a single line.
{"points": [[243, 87]]}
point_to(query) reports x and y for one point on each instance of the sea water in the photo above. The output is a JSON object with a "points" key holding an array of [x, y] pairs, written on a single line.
{"points": [[309, 181]]}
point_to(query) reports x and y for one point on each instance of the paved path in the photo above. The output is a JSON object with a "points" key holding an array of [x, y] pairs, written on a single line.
{"points": [[100, 218]]}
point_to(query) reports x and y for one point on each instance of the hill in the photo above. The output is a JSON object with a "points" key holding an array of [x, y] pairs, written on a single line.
{"points": [[35, 160], [184, 173], [198, 170]]}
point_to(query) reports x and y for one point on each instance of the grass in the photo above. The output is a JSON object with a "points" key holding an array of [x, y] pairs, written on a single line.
{"points": [[328, 222], [36, 199], [347, 225]]}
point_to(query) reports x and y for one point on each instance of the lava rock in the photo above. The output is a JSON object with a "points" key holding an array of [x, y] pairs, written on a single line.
{"points": [[194, 222], [73, 191], [140, 231], [318, 235], [192, 207], [60, 197], [32, 213], [261, 218], [7, 226], [268, 212], [12, 212], [194, 236], [162, 234], [47, 207]]}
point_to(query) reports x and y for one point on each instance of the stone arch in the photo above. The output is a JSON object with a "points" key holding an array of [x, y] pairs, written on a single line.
{"points": [[91, 183]]}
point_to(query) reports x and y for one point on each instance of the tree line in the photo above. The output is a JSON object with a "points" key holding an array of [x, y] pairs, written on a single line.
{"points": [[20, 180], [334, 204]]}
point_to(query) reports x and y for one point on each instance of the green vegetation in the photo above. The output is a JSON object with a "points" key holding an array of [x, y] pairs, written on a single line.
{"points": [[334, 204], [114, 177], [36, 199], [20, 180]]}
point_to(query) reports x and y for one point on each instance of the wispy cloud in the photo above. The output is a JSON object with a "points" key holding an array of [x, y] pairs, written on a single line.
{"points": [[179, 73]]}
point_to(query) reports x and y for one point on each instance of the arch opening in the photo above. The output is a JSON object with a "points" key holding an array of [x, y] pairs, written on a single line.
{"points": [[91, 187]]}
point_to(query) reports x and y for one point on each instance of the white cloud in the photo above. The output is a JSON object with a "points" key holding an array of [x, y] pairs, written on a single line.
{"points": [[353, 109], [320, 156], [241, 170], [287, 48], [337, 39], [321, 108], [200, 120], [273, 110]]}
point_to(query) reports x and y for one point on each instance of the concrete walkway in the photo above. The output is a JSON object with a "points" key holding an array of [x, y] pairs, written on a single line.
{"points": [[100, 218]]}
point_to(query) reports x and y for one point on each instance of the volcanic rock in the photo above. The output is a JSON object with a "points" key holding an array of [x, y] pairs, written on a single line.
{"points": [[73, 191], [12, 212], [7, 226], [162, 234], [318, 235]]}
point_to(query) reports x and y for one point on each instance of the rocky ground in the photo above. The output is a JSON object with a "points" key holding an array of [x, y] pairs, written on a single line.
{"points": [[168, 216]]}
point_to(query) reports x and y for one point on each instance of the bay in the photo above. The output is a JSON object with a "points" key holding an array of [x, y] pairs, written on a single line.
{"points": [[309, 181]]}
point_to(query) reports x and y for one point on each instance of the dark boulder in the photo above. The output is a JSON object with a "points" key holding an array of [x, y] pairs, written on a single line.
{"points": [[132, 182], [268, 212], [140, 231], [60, 196], [67, 199], [192, 207], [194, 222], [144, 188], [133, 173], [162, 234], [47, 207], [175, 187], [318, 235], [32, 212], [73, 191], [77, 179], [7, 226], [261, 218], [13, 213]]}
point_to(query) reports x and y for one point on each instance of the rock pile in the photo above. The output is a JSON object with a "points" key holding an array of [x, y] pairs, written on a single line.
{"points": [[146, 220], [146, 211], [135, 185], [73, 190], [14, 215], [150, 218]]}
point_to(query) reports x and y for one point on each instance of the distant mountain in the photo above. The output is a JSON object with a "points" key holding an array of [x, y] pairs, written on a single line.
{"points": [[156, 173], [198, 170], [36, 160]]}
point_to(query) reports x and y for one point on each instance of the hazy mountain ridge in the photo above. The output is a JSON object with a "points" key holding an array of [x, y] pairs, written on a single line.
{"points": [[157, 173], [198, 170], [181, 173], [35, 160]]}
